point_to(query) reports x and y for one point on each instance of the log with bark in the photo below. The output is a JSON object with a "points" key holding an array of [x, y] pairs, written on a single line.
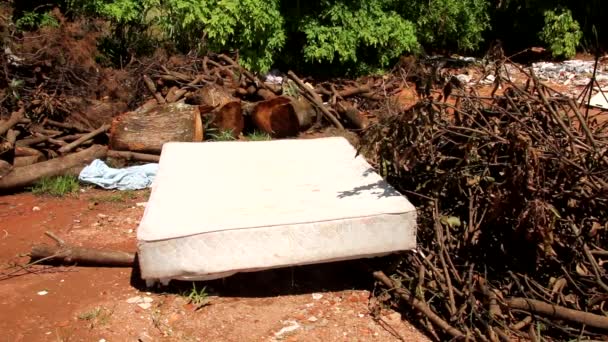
{"points": [[147, 130], [283, 116], [67, 254], [27, 175], [354, 117]]}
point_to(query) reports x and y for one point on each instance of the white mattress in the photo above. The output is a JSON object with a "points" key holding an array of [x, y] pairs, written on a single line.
{"points": [[218, 208]]}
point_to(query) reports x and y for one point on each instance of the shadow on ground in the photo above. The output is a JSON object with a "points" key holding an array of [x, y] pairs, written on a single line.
{"points": [[334, 276]]}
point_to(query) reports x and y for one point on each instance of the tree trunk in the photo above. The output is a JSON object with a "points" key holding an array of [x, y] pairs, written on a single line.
{"points": [[147, 130], [28, 175], [81, 255]]}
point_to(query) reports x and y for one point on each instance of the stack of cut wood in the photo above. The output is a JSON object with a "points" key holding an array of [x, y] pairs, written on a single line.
{"points": [[217, 95]]}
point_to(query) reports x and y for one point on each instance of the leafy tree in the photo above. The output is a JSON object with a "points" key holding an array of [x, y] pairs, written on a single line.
{"points": [[561, 32]]}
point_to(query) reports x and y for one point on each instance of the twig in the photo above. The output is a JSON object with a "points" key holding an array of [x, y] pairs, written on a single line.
{"points": [[419, 305], [69, 147]]}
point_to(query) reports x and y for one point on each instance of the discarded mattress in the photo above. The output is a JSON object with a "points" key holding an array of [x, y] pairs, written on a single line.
{"points": [[219, 208]]}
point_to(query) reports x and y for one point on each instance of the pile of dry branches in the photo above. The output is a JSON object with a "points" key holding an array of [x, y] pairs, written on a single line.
{"points": [[512, 192]]}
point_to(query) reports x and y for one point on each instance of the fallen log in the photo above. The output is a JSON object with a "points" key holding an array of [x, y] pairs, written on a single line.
{"points": [[68, 254], [69, 147], [12, 121], [27, 175], [145, 130], [316, 100], [152, 158], [558, 312]]}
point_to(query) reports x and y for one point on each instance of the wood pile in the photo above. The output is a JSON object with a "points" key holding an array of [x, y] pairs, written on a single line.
{"points": [[188, 103]]}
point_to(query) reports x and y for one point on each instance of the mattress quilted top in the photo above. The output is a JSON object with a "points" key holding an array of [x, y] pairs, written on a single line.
{"points": [[212, 186]]}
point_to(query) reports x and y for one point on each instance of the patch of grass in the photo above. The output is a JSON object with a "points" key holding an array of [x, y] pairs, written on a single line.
{"points": [[56, 186], [97, 316], [221, 135], [198, 298], [259, 136], [115, 197]]}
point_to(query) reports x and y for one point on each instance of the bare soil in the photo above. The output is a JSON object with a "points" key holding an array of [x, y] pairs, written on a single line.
{"points": [[328, 302]]}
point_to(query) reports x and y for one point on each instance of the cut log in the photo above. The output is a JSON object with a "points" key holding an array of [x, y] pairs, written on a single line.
{"points": [[282, 116], [81, 255], [211, 95], [147, 130], [27, 175], [266, 94], [151, 158], [352, 115], [228, 118]]}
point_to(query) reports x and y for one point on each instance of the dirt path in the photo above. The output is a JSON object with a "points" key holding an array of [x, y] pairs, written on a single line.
{"points": [[314, 303]]}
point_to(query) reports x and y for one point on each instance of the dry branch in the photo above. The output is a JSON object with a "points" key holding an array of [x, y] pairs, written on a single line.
{"points": [[68, 254], [12, 121], [559, 312], [69, 147], [418, 305]]}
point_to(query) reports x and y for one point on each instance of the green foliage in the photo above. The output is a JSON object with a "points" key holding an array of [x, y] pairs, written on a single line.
{"points": [[198, 298], [561, 33], [343, 29], [258, 136], [32, 20], [455, 24], [56, 186]]}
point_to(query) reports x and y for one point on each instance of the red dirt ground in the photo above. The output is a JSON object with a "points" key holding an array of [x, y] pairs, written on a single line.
{"points": [[314, 303]]}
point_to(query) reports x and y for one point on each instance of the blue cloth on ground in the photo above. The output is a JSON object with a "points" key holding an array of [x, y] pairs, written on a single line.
{"points": [[129, 178]]}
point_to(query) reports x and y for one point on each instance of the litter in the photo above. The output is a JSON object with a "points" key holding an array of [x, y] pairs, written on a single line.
{"points": [[130, 178]]}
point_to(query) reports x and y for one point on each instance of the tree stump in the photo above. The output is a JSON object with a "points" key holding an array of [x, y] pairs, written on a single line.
{"points": [[282, 116]]}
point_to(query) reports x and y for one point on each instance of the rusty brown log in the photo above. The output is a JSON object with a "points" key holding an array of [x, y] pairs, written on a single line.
{"points": [[28, 175], [68, 254], [24, 151], [5, 168], [266, 94], [211, 95], [12, 121], [127, 155], [229, 117], [7, 147], [282, 116]]}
